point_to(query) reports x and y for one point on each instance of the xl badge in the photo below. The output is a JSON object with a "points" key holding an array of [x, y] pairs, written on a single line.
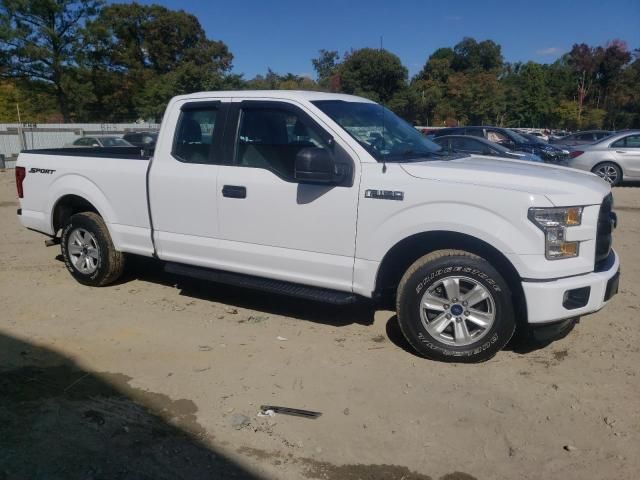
{"points": [[384, 194]]}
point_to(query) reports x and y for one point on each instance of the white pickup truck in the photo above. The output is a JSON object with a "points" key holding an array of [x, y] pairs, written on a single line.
{"points": [[331, 198]]}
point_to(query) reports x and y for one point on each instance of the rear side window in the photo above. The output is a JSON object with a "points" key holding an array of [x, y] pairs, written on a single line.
{"points": [[474, 132], [585, 136], [194, 135], [85, 141], [632, 141], [467, 145], [270, 138]]}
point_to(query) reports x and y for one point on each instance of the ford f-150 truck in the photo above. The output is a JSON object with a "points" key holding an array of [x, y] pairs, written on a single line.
{"points": [[333, 197]]}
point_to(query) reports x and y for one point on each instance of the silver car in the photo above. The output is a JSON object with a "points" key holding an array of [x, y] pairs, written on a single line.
{"points": [[614, 158]]}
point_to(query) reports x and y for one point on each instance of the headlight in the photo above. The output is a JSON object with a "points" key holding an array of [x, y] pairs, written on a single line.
{"points": [[554, 223]]}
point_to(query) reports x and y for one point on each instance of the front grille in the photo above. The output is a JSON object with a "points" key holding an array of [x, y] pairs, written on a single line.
{"points": [[604, 236]]}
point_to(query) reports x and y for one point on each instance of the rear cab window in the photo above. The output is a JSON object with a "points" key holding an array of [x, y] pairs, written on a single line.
{"points": [[196, 133]]}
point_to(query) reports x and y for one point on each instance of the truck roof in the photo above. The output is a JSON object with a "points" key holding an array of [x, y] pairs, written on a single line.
{"points": [[299, 95]]}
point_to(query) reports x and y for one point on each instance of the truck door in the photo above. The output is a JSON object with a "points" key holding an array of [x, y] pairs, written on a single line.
{"points": [[182, 182], [270, 224]]}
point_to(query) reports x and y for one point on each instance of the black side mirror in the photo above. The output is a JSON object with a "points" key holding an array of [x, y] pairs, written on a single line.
{"points": [[316, 165]]}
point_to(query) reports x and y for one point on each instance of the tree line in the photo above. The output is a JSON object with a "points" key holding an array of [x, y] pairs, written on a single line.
{"points": [[86, 61]]}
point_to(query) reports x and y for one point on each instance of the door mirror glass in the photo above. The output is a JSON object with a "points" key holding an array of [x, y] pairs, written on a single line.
{"points": [[315, 165]]}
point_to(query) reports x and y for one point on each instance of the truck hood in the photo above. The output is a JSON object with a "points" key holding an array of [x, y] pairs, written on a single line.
{"points": [[562, 186]]}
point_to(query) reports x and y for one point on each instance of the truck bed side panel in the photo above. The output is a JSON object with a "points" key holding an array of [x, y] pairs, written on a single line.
{"points": [[116, 187]]}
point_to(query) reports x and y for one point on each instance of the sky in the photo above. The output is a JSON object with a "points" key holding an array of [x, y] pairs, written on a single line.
{"points": [[285, 35]]}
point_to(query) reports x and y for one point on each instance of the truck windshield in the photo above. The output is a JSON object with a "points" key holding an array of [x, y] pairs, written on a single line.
{"points": [[381, 132]]}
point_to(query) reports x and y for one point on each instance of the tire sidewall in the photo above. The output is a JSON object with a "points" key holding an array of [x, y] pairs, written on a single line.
{"points": [[477, 269], [96, 277]]}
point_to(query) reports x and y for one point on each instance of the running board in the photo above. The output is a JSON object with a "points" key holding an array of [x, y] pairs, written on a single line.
{"points": [[265, 284]]}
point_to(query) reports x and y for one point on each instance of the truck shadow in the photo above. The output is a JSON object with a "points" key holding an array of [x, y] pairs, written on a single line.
{"points": [[60, 421], [149, 270], [522, 343], [628, 184]]}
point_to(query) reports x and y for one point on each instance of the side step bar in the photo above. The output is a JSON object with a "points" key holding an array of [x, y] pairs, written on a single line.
{"points": [[265, 284]]}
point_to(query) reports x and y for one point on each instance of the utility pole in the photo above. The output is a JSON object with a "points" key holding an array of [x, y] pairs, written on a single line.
{"points": [[21, 139]]}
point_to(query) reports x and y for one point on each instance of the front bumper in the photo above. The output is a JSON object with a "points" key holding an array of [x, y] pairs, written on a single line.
{"points": [[546, 300]]}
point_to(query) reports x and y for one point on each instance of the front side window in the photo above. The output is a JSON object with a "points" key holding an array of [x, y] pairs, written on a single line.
{"points": [[271, 138], [497, 137], [194, 136], [382, 133]]}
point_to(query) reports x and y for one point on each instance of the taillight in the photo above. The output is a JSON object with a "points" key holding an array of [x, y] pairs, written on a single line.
{"points": [[20, 174], [575, 153]]}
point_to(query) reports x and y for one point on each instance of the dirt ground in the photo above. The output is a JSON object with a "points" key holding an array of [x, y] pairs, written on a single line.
{"points": [[158, 377]]}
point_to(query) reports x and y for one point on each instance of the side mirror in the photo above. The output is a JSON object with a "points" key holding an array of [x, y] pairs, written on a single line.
{"points": [[316, 165], [95, 144]]}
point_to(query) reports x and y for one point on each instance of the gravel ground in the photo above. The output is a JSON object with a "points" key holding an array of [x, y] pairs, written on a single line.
{"points": [[158, 377]]}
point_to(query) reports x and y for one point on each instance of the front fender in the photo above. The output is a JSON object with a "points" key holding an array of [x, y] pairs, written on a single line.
{"points": [[508, 235]]}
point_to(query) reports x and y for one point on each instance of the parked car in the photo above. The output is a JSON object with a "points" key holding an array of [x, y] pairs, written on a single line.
{"points": [[142, 139], [481, 146], [614, 158], [581, 138], [332, 197], [511, 140], [540, 135], [560, 149], [100, 141]]}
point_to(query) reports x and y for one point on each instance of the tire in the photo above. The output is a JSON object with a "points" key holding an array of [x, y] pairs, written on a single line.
{"points": [[609, 172], [88, 251], [449, 327]]}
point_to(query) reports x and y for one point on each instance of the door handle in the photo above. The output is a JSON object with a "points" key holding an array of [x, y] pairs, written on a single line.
{"points": [[234, 191], [620, 151]]}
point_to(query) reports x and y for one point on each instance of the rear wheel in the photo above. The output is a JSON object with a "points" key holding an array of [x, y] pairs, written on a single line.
{"points": [[88, 251], [454, 306], [609, 172]]}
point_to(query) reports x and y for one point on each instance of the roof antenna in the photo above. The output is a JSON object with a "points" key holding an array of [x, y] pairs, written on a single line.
{"points": [[384, 162]]}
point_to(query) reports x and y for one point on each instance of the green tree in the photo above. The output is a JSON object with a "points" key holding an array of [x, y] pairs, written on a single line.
{"points": [[371, 73], [528, 95], [565, 115], [141, 55], [325, 66], [470, 55], [40, 40]]}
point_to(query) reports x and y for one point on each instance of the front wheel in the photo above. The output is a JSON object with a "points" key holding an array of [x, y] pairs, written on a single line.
{"points": [[453, 306], [88, 251]]}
